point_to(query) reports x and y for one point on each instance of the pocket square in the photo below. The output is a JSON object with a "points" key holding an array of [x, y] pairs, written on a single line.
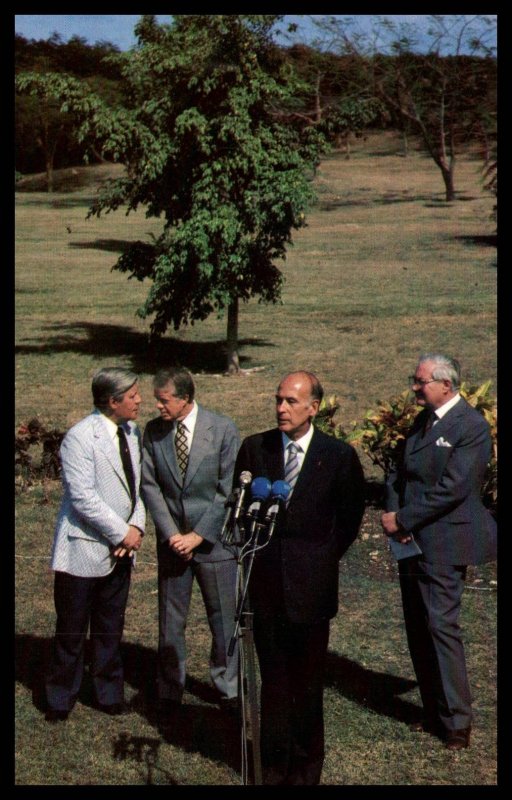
{"points": [[441, 442]]}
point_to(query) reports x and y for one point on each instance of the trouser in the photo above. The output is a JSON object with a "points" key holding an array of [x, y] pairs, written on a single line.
{"points": [[217, 582], [431, 597], [82, 602], [292, 661]]}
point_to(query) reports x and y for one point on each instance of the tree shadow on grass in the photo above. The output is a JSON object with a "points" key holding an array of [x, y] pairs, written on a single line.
{"points": [[110, 245], [145, 356], [202, 727], [379, 200], [487, 241], [377, 691]]}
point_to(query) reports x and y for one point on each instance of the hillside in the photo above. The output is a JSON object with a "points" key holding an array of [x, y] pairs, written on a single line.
{"points": [[71, 179]]}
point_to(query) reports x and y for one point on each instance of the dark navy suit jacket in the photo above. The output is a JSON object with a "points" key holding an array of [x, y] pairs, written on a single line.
{"points": [[437, 488], [297, 573]]}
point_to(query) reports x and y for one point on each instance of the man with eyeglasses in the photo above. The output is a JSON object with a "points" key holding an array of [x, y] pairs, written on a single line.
{"points": [[434, 497]]}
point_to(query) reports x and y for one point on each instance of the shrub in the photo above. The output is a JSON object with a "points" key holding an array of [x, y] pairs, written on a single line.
{"points": [[27, 470], [382, 433]]}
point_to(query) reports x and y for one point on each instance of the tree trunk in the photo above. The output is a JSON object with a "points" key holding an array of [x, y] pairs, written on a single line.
{"points": [[405, 143], [448, 184], [232, 366], [49, 174]]}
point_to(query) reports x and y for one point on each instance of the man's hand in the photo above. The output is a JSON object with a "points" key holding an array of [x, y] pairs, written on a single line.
{"points": [[132, 541], [391, 527], [183, 544]]}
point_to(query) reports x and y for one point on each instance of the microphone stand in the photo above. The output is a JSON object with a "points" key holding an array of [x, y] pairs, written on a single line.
{"points": [[245, 634]]}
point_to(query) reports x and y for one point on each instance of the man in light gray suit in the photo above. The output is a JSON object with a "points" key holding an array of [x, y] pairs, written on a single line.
{"points": [[435, 498], [99, 527], [187, 470]]}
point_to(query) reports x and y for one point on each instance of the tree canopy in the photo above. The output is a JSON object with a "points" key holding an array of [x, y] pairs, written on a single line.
{"points": [[206, 150]]}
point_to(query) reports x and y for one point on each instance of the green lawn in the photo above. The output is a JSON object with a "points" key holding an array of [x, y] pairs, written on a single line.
{"points": [[384, 271]]}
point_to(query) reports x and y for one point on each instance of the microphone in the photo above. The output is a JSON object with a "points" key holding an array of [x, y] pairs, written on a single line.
{"points": [[225, 534], [234, 505], [245, 479], [260, 490], [280, 492]]}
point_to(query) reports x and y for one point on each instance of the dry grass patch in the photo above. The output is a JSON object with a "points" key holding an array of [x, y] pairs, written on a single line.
{"points": [[384, 270]]}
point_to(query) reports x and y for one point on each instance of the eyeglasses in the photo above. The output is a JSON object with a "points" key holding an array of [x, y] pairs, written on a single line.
{"points": [[414, 381]]}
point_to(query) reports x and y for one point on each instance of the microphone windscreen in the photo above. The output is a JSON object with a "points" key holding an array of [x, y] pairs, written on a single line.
{"points": [[260, 488], [245, 477], [280, 490]]}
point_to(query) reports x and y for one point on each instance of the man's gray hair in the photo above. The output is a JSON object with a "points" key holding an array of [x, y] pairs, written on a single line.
{"points": [[445, 368], [111, 382]]}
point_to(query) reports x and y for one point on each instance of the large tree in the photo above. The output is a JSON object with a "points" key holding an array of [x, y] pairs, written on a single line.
{"points": [[204, 150]]}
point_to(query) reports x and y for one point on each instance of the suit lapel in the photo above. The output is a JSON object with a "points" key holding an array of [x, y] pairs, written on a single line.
{"points": [[106, 443], [308, 475], [169, 453], [201, 442], [420, 440], [273, 456]]}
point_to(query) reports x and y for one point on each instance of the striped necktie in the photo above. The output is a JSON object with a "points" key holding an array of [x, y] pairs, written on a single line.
{"points": [[292, 468], [181, 445]]}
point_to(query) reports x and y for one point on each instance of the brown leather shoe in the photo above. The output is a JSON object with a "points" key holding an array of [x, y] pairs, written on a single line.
{"points": [[457, 739]]}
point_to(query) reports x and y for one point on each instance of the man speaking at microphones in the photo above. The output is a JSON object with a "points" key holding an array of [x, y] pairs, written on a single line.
{"points": [[293, 586]]}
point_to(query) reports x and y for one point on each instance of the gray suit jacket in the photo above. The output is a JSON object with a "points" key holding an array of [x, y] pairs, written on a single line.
{"points": [[96, 506], [196, 503], [438, 488]]}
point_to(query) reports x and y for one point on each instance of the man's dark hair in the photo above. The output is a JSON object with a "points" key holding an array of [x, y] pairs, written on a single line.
{"points": [[180, 377]]}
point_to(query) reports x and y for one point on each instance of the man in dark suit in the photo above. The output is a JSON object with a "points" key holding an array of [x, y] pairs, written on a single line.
{"points": [[293, 587], [435, 497], [187, 471], [99, 526]]}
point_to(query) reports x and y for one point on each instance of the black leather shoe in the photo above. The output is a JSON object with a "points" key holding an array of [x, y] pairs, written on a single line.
{"points": [[433, 727], [114, 709], [458, 739], [55, 715]]}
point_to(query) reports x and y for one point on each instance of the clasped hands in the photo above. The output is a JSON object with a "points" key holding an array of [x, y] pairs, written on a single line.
{"points": [[391, 527], [132, 541], [183, 544]]}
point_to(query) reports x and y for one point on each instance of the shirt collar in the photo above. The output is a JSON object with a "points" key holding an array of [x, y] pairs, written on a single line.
{"points": [[303, 442], [442, 410], [111, 426], [190, 420]]}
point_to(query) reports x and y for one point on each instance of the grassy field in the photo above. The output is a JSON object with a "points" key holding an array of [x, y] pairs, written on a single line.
{"points": [[384, 271]]}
